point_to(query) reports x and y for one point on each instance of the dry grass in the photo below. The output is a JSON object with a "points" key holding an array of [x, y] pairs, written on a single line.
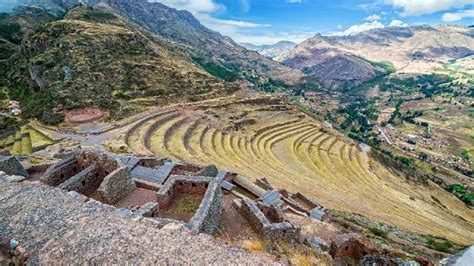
{"points": [[294, 153], [254, 245]]}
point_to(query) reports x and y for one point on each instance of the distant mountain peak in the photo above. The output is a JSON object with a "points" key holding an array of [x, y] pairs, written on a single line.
{"points": [[276, 51]]}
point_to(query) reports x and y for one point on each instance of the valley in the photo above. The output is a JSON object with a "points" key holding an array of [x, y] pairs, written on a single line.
{"points": [[340, 149]]}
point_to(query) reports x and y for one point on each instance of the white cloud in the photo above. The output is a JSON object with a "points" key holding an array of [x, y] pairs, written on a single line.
{"points": [[270, 38], [354, 29], [422, 7], [294, 1], [193, 6], [397, 23], [373, 17], [204, 10], [451, 17]]}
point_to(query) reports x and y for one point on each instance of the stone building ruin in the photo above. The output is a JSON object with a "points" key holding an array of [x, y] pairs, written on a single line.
{"points": [[92, 174]]}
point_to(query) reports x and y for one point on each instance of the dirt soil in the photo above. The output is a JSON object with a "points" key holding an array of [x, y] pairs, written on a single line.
{"points": [[138, 197], [233, 225], [83, 115], [182, 208]]}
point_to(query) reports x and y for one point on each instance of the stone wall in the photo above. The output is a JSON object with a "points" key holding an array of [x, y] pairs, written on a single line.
{"points": [[181, 169], [104, 164], [150, 209], [283, 231], [307, 201], [151, 162], [91, 171], [11, 166], [181, 185], [84, 182], [116, 185], [61, 171], [208, 216]]}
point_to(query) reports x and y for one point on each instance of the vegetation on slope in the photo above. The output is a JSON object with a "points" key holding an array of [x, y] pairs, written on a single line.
{"points": [[92, 58]]}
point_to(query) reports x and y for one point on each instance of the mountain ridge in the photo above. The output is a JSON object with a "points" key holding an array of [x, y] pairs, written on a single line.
{"points": [[275, 51], [415, 50]]}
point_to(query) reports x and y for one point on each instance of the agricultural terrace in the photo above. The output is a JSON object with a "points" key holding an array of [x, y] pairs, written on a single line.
{"points": [[264, 138]]}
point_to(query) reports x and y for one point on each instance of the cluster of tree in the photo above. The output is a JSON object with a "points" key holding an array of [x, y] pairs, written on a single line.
{"points": [[460, 191], [223, 72], [358, 123]]}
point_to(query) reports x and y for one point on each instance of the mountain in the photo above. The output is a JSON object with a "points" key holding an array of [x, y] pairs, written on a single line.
{"points": [[93, 58], [211, 50], [275, 51], [118, 54], [420, 49]]}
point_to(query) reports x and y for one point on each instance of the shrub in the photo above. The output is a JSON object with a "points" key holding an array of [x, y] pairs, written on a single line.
{"points": [[444, 246], [379, 232], [404, 160], [10, 32]]}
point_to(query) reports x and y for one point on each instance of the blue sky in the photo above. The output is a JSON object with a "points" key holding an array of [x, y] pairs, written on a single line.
{"points": [[268, 21]]}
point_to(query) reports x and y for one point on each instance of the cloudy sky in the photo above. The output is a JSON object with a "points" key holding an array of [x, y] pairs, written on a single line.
{"points": [[269, 21]]}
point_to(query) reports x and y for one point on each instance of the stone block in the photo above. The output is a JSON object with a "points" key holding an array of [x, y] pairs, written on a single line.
{"points": [[11, 166], [116, 185]]}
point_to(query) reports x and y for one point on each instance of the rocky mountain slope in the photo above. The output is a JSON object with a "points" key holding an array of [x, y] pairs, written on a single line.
{"points": [[415, 50], [114, 54], [211, 50], [276, 51], [92, 57], [216, 53]]}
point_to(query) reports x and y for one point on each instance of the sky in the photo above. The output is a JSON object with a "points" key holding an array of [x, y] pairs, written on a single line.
{"points": [[269, 21]]}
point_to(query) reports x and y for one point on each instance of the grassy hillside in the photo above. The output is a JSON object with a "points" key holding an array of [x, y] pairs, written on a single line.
{"points": [[91, 57], [264, 138]]}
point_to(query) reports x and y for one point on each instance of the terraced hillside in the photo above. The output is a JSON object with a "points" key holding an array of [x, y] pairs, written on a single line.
{"points": [[25, 141], [262, 137]]}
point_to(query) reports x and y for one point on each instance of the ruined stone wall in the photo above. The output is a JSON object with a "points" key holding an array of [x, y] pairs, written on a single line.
{"points": [[164, 199], [284, 231], [195, 188], [305, 200], [116, 185], [181, 185], [151, 162], [84, 182], [208, 216], [61, 171], [181, 169], [104, 164], [272, 214]]}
